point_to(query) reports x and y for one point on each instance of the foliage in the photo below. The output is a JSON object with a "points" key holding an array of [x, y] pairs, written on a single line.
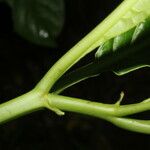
{"points": [[114, 55], [38, 21], [125, 58], [129, 23]]}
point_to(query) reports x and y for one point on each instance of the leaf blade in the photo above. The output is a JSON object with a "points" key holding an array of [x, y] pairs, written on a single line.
{"points": [[38, 21], [128, 58], [120, 61]]}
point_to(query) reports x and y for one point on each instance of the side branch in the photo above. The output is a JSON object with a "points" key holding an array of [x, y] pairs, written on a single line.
{"points": [[94, 108]]}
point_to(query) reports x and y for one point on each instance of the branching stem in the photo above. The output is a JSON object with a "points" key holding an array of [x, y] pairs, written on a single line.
{"points": [[86, 45], [39, 98]]}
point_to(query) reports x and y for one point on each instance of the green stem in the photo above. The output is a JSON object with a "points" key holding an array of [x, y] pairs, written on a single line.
{"points": [[120, 62], [83, 47], [33, 101], [94, 108], [141, 126], [20, 106], [108, 112]]}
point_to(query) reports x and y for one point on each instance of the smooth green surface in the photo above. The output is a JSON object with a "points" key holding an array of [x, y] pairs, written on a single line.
{"points": [[141, 126], [98, 35], [20, 106], [110, 112], [131, 58], [38, 21], [96, 109], [128, 15], [122, 54]]}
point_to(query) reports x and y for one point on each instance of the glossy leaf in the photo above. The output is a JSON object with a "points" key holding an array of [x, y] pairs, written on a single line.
{"points": [[39, 21], [124, 58]]}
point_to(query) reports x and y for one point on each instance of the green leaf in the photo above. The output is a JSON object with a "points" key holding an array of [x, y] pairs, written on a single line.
{"points": [[38, 21], [122, 54], [122, 58]]}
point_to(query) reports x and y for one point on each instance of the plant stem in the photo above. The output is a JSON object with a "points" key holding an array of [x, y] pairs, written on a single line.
{"points": [[33, 101], [20, 106], [110, 112], [94, 108], [83, 47], [141, 126], [115, 61]]}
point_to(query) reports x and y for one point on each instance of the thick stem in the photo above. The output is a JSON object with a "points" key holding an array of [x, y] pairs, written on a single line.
{"points": [[20, 106], [83, 47]]}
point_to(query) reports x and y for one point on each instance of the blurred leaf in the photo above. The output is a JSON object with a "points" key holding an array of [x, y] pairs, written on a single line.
{"points": [[39, 21]]}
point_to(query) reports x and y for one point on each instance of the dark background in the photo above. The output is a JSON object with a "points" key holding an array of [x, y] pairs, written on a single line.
{"points": [[23, 64]]}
